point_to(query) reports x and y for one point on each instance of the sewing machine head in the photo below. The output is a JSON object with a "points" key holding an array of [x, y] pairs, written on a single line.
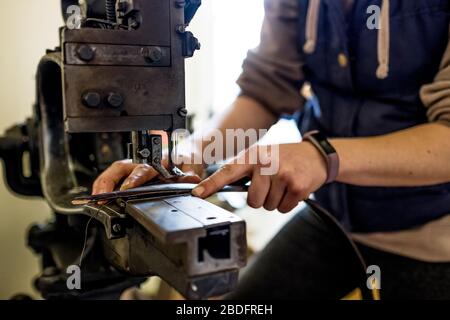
{"points": [[123, 70]]}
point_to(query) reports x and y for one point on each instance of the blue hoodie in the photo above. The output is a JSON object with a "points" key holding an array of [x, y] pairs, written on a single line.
{"points": [[375, 92], [366, 78]]}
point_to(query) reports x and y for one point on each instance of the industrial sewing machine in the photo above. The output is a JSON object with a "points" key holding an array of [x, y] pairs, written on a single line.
{"points": [[118, 74]]}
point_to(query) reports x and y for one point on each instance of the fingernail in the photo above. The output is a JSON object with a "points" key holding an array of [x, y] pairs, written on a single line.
{"points": [[126, 185], [198, 192]]}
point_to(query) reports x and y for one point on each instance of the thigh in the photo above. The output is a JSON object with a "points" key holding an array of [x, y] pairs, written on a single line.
{"points": [[405, 278], [310, 258]]}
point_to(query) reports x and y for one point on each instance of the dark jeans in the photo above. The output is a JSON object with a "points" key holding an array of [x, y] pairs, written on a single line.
{"points": [[312, 258]]}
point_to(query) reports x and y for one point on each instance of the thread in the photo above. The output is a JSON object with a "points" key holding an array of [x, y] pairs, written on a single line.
{"points": [[85, 241]]}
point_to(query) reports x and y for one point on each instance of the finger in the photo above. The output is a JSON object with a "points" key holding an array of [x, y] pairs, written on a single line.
{"points": [[107, 181], [290, 202], [276, 193], [225, 175], [103, 185], [259, 190], [295, 193], [189, 177], [140, 175]]}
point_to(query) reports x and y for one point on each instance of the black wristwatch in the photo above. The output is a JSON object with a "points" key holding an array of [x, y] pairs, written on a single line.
{"points": [[322, 144]]}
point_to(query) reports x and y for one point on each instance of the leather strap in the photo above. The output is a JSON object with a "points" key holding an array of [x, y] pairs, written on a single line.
{"points": [[152, 191]]}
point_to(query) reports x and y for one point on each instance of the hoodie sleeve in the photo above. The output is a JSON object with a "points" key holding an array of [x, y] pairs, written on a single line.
{"points": [[272, 72], [436, 95]]}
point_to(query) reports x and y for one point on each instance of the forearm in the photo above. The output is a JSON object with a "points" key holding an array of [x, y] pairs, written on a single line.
{"points": [[414, 157], [245, 113]]}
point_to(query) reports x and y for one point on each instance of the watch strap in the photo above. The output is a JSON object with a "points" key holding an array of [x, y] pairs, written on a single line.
{"points": [[329, 153]]}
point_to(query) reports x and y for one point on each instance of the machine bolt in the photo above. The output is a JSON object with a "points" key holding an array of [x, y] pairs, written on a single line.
{"points": [[86, 53], [117, 228], [144, 153], [114, 100], [92, 99], [182, 112], [152, 54]]}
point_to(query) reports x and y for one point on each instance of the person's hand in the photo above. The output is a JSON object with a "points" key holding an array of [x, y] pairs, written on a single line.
{"points": [[138, 174], [302, 171]]}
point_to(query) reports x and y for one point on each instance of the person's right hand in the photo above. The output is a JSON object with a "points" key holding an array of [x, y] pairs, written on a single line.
{"points": [[138, 174]]}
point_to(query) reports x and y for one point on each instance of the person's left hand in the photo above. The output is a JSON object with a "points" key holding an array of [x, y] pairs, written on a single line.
{"points": [[302, 170]]}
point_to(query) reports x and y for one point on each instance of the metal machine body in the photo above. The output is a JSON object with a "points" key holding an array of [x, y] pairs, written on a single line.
{"points": [[195, 246], [113, 80], [137, 73]]}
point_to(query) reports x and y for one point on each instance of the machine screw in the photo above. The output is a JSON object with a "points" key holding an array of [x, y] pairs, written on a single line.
{"points": [[152, 54], [92, 99], [122, 6], [105, 150], [180, 3], [86, 53], [134, 23], [117, 228], [156, 141], [144, 153], [182, 112], [181, 28], [197, 45], [50, 272], [114, 100]]}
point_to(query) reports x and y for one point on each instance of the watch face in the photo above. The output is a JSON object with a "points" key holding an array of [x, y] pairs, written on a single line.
{"points": [[322, 140]]}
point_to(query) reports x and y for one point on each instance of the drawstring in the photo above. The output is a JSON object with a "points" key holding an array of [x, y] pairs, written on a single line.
{"points": [[383, 46], [384, 41], [312, 21]]}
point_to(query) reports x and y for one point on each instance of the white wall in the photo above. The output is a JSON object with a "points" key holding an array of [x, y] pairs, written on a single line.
{"points": [[27, 28], [199, 69], [237, 26]]}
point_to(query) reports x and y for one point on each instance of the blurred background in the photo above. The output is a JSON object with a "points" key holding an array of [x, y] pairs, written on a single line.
{"points": [[226, 29]]}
